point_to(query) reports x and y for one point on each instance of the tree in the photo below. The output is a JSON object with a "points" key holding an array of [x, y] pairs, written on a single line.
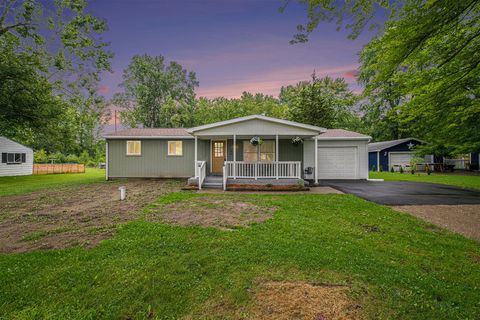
{"points": [[50, 53], [323, 102], [428, 52], [156, 94], [431, 56], [220, 109]]}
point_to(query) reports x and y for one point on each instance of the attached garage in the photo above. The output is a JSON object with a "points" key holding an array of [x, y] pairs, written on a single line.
{"points": [[341, 154], [338, 163]]}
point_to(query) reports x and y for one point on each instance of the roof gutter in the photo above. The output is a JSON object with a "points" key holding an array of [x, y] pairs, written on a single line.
{"points": [[344, 138]]}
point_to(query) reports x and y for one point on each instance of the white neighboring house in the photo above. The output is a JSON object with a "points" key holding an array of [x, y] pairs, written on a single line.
{"points": [[17, 160]]}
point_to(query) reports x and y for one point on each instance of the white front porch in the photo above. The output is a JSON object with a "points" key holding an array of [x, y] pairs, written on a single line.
{"points": [[268, 172], [263, 170], [226, 149]]}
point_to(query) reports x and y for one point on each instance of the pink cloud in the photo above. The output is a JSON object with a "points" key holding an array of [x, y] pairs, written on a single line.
{"points": [[104, 89], [351, 74], [271, 82]]}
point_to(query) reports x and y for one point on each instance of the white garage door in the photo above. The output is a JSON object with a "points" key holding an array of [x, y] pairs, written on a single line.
{"points": [[400, 159], [337, 163]]}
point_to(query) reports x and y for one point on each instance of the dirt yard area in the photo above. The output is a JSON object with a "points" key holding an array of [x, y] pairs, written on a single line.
{"points": [[299, 300], [80, 215], [464, 219], [222, 212]]}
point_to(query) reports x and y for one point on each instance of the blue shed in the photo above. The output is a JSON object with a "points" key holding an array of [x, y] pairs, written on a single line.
{"points": [[475, 160], [386, 154]]}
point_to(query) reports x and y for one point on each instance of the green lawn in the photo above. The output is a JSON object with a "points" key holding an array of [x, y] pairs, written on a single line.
{"points": [[23, 184], [398, 266], [472, 182]]}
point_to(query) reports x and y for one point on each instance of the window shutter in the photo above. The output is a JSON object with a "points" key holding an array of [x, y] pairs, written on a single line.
{"points": [[4, 157], [24, 158]]}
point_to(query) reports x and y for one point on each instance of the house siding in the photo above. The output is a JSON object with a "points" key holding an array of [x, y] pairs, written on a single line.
{"points": [[256, 127], [21, 169], [154, 161], [372, 161]]}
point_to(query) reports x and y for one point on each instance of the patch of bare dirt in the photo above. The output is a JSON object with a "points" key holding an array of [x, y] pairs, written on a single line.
{"points": [[80, 215], [303, 301], [209, 211], [464, 219]]}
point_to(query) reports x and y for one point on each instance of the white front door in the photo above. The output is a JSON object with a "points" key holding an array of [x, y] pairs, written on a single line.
{"points": [[337, 163]]}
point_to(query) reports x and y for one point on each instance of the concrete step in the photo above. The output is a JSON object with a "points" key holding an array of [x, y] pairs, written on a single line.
{"points": [[212, 186]]}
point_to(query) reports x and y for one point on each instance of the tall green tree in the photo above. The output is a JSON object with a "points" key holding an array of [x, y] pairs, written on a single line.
{"points": [[220, 109], [157, 94], [49, 54], [323, 102], [427, 51]]}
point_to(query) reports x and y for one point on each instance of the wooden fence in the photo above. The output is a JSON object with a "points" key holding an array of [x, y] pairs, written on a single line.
{"points": [[58, 168]]}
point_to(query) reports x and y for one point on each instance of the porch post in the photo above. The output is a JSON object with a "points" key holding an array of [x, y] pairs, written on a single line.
{"points": [[378, 161], [316, 160], [234, 156], [196, 158], [276, 156]]}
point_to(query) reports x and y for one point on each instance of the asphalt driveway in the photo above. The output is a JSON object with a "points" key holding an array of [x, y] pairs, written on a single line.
{"points": [[399, 193]]}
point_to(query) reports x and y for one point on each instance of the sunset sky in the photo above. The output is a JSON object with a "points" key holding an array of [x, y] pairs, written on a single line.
{"points": [[232, 46]]}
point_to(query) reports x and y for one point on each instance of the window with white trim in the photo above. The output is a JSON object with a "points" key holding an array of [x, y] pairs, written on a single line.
{"points": [[267, 151], [250, 152], [175, 148], [134, 148], [264, 153], [13, 158]]}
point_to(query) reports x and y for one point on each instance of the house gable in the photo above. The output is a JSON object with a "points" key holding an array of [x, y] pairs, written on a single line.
{"points": [[256, 125]]}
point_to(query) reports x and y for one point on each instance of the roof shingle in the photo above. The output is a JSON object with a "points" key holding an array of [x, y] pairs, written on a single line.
{"points": [[341, 133], [150, 132]]}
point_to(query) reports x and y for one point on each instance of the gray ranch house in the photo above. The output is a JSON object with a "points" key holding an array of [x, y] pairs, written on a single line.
{"points": [[249, 151]]}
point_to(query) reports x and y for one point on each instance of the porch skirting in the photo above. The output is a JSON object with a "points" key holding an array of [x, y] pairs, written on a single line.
{"points": [[261, 184]]}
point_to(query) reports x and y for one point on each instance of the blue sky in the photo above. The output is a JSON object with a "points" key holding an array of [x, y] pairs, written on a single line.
{"points": [[232, 45]]}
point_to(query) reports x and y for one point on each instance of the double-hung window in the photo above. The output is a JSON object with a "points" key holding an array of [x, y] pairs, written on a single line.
{"points": [[134, 148], [175, 148], [264, 152], [13, 158]]}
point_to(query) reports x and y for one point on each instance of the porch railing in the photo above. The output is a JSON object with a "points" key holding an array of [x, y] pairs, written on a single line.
{"points": [[201, 173], [256, 170]]}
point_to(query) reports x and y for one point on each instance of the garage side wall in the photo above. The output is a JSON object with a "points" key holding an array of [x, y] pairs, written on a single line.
{"points": [[154, 162], [362, 152]]}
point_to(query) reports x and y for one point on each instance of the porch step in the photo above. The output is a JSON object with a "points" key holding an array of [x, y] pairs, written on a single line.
{"points": [[212, 186], [213, 182]]}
